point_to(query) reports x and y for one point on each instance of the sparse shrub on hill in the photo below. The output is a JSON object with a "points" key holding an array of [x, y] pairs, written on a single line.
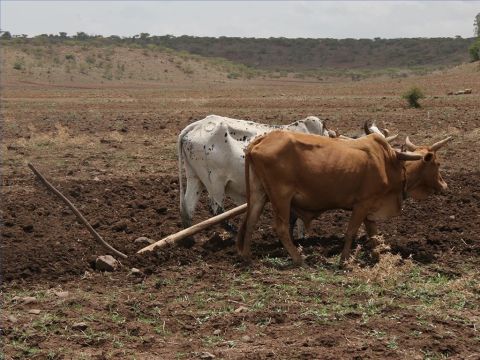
{"points": [[474, 50], [19, 64], [413, 96]]}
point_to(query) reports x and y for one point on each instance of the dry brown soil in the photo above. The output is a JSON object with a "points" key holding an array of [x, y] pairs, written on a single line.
{"points": [[111, 150]]}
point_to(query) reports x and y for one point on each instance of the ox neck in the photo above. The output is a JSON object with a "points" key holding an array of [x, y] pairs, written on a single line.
{"points": [[412, 172]]}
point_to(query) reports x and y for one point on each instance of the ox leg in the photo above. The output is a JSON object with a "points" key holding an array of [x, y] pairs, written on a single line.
{"points": [[283, 230], [192, 194], [375, 243], [372, 231], [358, 216], [244, 237]]}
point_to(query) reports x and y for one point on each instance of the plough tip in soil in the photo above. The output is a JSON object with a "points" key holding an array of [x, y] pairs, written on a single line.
{"points": [[77, 213]]}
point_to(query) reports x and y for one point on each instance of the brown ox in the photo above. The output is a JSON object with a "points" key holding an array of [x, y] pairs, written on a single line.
{"points": [[311, 174]]}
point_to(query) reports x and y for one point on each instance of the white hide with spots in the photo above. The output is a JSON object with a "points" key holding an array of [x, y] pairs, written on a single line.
{"points": [[211, 150]]}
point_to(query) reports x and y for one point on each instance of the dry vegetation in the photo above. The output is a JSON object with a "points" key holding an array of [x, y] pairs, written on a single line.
{"points": [[109, 144]]}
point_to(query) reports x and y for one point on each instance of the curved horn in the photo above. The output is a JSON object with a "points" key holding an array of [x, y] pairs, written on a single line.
{"points": [[408, 156], [366, 129], [439, 144], [409, 144], [385, 132], [391, 138]]}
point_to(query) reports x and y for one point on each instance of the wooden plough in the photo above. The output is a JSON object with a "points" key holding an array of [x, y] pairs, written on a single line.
{"points": [[171, 239]]}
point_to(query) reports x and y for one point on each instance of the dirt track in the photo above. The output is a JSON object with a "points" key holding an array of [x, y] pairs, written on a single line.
{"points": [[112, 152]]}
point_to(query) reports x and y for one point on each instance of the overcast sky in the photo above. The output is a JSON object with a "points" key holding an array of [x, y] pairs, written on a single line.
{"points": [[322, 19]]}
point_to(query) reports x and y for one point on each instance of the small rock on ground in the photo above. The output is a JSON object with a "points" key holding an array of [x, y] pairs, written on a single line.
{"points": [[80, 326], [106, 263], [143, 240]]}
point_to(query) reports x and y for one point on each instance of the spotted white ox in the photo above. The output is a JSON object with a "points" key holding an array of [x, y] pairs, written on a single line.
{"points": [[212, 150]]}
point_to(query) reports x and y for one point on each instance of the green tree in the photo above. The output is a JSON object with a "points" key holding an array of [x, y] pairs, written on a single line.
{"points": [[6, 35], [81, 36], [474, 50]]}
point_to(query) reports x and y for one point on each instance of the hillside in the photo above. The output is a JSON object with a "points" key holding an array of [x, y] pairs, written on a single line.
{"points": [[60, 63], [282, 53], [106, 60]]}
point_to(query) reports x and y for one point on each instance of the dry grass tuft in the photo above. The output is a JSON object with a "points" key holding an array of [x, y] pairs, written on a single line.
{"points": [[388, 271]]}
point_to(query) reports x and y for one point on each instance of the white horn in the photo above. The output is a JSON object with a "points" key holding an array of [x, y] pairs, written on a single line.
{"points": [[391, 138], [408, 156], [439, 144], [409, 144], [366, 128]]}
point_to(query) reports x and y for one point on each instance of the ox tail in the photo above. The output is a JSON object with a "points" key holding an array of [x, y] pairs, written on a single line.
{"points": [[248, 167], [241, 231], [180, 152]]}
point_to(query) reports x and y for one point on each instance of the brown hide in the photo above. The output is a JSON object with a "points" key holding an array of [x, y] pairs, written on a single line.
{"points": [[315, 175], [311, 174]]}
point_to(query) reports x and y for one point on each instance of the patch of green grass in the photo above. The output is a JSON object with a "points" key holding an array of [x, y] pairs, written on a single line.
{"points": [[117, 318], [212, 340], [47, 323], [25, 349], [277, 262], [392, 343]]}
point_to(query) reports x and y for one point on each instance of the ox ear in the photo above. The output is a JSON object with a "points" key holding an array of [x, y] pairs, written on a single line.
{"points": [[428, 157], [439, 144], [408, 156]]}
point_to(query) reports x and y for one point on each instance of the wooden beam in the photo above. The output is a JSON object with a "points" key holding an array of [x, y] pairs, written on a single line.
{"points": [[173, 238]]}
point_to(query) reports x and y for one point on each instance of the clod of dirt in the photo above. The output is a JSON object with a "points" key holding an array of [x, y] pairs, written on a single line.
{"points": [[246, 338], [81, 326], [106, 263], [161, 210], [28, 228], [121, 225], [135, 272], [241, 309], [76, 191], [12, 319], [143, 241], [217, 332], [29, 300], [206, 355], [61, 294]]}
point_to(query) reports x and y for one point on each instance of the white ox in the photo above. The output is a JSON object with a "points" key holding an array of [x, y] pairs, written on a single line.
{"points": [[212, 150]]}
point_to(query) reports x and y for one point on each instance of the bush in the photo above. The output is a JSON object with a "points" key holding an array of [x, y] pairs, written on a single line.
{"points": [[70, 57], [18, 65], [474, 50], [412, 96]]}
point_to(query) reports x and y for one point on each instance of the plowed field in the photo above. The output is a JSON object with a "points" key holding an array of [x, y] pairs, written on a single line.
{"points": [[111, 150]]}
